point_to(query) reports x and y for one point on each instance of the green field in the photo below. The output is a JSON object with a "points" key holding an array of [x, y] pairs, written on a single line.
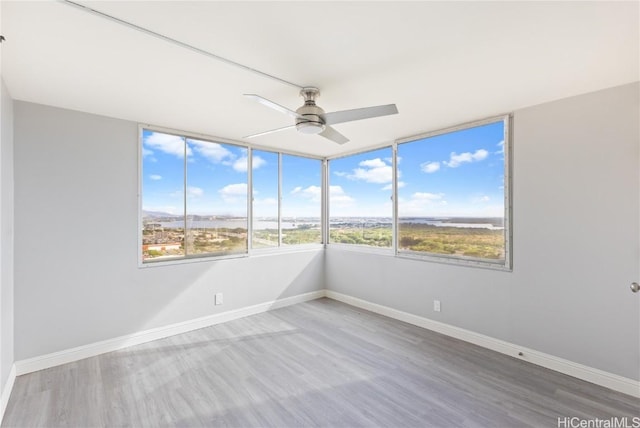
{"points": [[460, 241], [264, 238], [198, 241], [372, 236], [455, 241], [468, 242], [220, 241]]}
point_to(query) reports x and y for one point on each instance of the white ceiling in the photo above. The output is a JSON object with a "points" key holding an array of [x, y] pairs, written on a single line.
{"points": [[442, 63]]}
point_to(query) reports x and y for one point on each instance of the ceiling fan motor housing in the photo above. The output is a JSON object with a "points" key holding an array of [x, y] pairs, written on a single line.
{"points": [[311, 119], [310, 116]]}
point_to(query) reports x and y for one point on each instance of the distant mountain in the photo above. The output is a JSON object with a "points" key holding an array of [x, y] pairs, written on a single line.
{"points": [[158, 214]]}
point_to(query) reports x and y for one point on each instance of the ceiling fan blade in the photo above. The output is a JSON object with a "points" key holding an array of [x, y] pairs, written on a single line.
{"points": [[270, 132], [359, 114], [334, 135], [272, 105]]}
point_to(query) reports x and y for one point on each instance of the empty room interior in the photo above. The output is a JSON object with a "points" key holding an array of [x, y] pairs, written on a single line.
{"points": [[336, 214]]}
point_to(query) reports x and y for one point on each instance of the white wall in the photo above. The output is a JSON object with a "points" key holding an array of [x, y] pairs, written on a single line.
{"points": [[6, 234], [76, 242], [576, 243]]}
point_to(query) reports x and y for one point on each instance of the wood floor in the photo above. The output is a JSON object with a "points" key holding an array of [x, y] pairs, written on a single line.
{"points": [[320, 363]]}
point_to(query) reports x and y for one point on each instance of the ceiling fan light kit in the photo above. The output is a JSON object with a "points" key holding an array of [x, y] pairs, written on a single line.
{"points": [[310, 116], [312, 119]]}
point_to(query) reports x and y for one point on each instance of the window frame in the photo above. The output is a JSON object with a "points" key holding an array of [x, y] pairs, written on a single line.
{"points": [[507, 264], [186, 136], [391, 250], [324, 161], [207, 257], [280, 248], [252, 200], [322, 170]]}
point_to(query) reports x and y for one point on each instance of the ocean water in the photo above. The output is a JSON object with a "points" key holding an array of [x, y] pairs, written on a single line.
{"points": [[293, 224], [234, 223]]}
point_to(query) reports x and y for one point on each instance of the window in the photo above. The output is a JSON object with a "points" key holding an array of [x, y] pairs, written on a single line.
{"points": [[266, 212], [360, 204], [451, 201], [194, 197], [287, 200], [301, 200], [451, 197]]}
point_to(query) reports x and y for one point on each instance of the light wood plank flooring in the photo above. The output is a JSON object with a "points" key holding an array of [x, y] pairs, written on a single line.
{"points": [[321, 363]]}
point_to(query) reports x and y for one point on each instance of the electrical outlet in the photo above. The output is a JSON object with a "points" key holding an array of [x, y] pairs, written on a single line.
{"points": [[219, 299], [436, 305]]}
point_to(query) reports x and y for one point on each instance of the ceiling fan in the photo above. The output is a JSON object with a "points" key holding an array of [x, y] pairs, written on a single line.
{"points": [[311, 119]]}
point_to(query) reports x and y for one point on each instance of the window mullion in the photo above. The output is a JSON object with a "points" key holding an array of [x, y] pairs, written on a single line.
{"points": [[324, 215], [394, 200], [250, 199], [279, 199], [184, 196]]}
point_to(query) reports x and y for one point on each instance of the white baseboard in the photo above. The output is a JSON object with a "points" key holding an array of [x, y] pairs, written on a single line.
{"points": [[6, 391], [580, 371], [74, 354]]}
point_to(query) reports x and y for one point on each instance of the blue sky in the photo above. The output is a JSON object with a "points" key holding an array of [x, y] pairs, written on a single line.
{"points": [[455, 174], [217, 179], [301, 181], [360, 185]]}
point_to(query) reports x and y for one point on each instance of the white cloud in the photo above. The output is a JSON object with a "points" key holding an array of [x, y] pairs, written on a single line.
{"points": [[430, 167], [232, 192], [146, 152], [312, 192], [458, 159], [169, 144], [422, 203], [258, 162], [296, 190], [372, 171], [390, 160], [155, 177], [266, 202], [242, 164], [213, 152], [501, 150], [481, 199], [194, 192], [373, 163], [338, 196], [425, 196], [340, 173], [401, 184]]}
